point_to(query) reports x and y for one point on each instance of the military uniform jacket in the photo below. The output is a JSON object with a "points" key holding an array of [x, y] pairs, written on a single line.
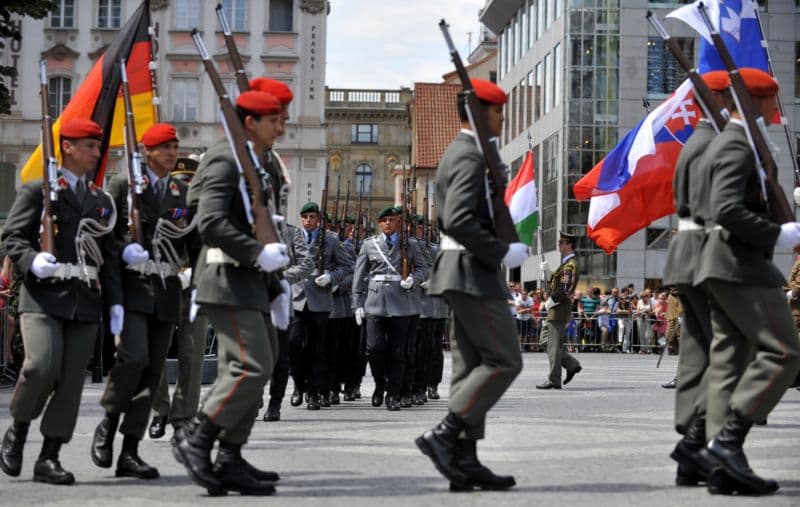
{"points": [[740, 249], [379, 298], [342, 295], [302, 263], [222, 223], [418, 292], [145, 293], [429, 303], [794, 287], [685, 246], [338, 263], [562, 286], [70, 299], [464, 216]]}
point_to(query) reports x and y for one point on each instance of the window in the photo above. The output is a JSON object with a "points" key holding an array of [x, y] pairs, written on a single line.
{"points": [[187, 14], [559, 7], [512, 120], [549, 206], [501, 51], [232, 88], [548, 83], [540, 14], [531, 106], [532, 22], [557, 71], [63, 16], [236, 12], [364, 177], [523, 27], [185, 97], [108, 13], [364, 133], [539, 89], [281, 15], [664, 74], [550, 11], [522, 103], [59, 91], [514, 40]]}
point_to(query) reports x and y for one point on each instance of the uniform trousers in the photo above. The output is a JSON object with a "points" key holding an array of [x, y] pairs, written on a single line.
{"points": [[280, 375], [140, 358], [346, 352], [438, 327], [424, 359], [246, 349], [307, 341], [57, 352], [387, 347], [410, 372], [553, 335]]}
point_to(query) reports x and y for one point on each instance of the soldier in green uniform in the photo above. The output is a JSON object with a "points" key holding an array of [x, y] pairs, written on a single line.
{"points": [[60, 300], [559, 311], [152, 294], [234, 289], [468, 274], [748, 307]]}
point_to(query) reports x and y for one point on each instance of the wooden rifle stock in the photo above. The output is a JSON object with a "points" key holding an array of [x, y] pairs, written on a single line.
{"points": [[778, 206], [342, 230], [136, 182], [49, 167], [233, 51], [498, 173], [336, 200], [426, 226]]}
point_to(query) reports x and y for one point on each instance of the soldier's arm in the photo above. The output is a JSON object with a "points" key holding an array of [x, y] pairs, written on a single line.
{"points": [[360, 272], [110, 274], [303, 263], [465, 190], [20, 235], [422, 263], [564, 285], [344, 262]]}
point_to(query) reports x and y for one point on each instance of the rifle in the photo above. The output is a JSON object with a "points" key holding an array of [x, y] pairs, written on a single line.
{"points": [[336, 201], [778, 206], [49, 169], [342, 230], [404, 228], [136, 181], [703, 94], [358, 218], [368, 226], [426, 226], [413, 195], [498, 172], [323, 225], [244, 153], [233, 51]]}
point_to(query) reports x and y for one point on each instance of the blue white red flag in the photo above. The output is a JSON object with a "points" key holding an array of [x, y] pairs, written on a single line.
{"points": [[632, 186]]}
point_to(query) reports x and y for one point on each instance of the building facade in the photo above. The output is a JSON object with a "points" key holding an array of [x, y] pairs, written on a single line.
{"points": [[282, 39], [579, 75]]}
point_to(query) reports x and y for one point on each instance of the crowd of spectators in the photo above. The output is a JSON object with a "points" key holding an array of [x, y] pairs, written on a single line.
{"points": [[617, 320]]}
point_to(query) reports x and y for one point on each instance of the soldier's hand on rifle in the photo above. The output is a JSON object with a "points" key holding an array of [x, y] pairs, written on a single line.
{"points": [[273, 256], [359, 314], [516, 255], [408, 283], [544, 267], [134, 254], [278, 219], [789, 236], [44, 265], [323, 280], [280, 307], [425, 284], [117, 313]]}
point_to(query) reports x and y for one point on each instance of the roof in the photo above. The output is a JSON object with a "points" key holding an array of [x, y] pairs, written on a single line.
{"points": [[436, 121]]}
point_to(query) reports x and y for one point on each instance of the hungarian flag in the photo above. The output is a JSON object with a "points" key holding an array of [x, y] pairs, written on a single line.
{"points": [[521, 199], [99, 96]]}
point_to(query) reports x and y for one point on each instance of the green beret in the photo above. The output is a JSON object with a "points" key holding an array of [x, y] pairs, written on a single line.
{"points": [[309, 207], [388, 211]]}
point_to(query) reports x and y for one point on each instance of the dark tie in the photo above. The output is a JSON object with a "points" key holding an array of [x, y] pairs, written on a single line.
{"points": [[80, 190], [389, 242], [159, 188]]}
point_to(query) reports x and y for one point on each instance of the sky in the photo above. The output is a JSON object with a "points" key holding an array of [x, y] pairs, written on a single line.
{"points": [[392, 43]]}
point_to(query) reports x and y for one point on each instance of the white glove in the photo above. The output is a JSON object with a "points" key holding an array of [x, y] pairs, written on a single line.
{"points": [[193, 307], [134, 254], [278, 219], [117, 314], [516, 255], [789, 236], [359, 314], [185, 277], [408, 283], [44, 265], [544, 267], [273, 256], [797, 195], [549, 304], [280, 308], [425, 284], [323, 280]]}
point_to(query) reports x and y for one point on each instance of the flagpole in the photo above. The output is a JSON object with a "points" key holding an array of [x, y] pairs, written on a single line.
{"points": [[539, 204]]}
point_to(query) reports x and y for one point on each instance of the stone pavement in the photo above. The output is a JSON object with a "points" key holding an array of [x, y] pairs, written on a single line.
{"points": [[603, 440]]}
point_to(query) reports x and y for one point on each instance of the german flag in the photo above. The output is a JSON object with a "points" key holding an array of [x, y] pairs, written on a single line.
{"points": [[99, 96]]}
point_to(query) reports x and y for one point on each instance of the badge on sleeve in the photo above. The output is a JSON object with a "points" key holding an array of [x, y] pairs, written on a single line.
{"points": [[174, 190]]}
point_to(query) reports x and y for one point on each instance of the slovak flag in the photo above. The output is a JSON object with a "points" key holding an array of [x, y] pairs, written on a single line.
{"points": [[632, 186]]}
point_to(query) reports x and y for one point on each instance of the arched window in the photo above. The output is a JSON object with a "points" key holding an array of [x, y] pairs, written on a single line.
{"points": [[363, 174], [60, 91]]}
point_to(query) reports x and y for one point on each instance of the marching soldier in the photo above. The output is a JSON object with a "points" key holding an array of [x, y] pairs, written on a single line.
{"points": [[407, 395], [60, 299], [467, 273], [383, 300], [735, 266], [235, 289], [341, 328], [559, 311], [438, 327], [424, 346], [313, 302]]}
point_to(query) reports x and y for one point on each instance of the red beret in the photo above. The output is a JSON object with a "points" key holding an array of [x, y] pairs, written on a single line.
{"points": [[717, 80], [78, 128], [488, 91], [278, 89], [758, 82], [158, 134], [259, 103]]}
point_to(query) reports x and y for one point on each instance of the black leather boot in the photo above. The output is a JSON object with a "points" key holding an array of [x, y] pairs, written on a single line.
{"points": [[433, 393], [180, 434], [725, 450], [255, 473], [230, 470], [333, 397], [103, 442], [48, 468], [377, 396], [273, 412], [11, 452], [297, 398], [194, 452], [478, 475], [693, 464], [129, 464], [158, 426], [439, 444], [313, 402]]}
